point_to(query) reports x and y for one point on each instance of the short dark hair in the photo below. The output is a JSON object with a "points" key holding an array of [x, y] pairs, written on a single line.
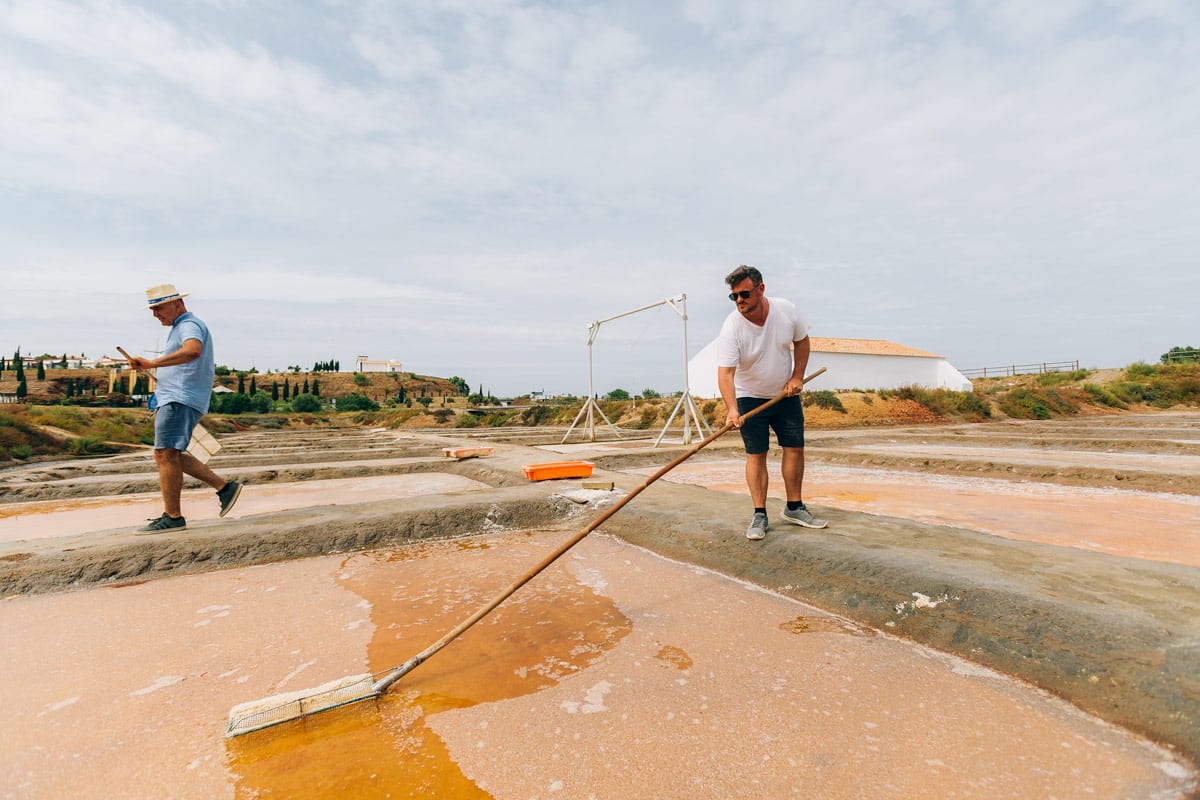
{"points": [[741, 273]]}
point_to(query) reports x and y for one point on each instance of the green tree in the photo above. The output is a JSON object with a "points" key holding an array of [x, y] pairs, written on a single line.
{"points": [[305, 389], [650, 394], [1177, 355], [235, 404], [241, 383], [316, 388], [19, 365], [22, 389], [460, 385], [425, 401], [306, 404], [357, 402], [287, 389], [253, 386], [63, 363], [41, 374], [274, 390], [618, 394], [261, 403]]}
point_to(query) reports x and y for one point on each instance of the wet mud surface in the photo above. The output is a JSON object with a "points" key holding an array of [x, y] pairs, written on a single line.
{"points": [[1059, 553]]}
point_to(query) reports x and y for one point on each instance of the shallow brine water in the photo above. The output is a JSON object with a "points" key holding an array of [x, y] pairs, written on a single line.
{"points": [[615, 673]]}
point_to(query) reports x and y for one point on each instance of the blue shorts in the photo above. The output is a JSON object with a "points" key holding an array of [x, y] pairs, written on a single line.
{"points": [[173, 425], [786, 418]]}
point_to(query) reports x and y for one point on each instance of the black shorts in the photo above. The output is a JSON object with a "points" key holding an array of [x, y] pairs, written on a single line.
{"points": [[786, 418]]}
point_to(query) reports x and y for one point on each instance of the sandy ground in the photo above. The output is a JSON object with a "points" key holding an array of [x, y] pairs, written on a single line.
{"points": [[1085, 589]]}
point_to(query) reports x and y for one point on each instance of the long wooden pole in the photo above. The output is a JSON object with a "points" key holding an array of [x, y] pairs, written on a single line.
{"points": [[394, 675]]}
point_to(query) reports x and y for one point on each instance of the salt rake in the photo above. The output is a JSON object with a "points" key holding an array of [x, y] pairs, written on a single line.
{"points": [[278, 709]]}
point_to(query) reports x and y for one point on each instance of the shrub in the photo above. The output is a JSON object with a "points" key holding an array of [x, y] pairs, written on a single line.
{"points": [[354, 402], [1137, 370], [824, 399], [947, 403], [89, 445], [536, 415], [235, 404], [1103, 396], [361, 379], [467, 421], [1059, 378], [305, 404], [21, 451]]}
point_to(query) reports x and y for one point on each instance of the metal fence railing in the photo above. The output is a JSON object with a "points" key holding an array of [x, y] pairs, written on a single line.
{"points": [[1021, 369], [1182, 355]]}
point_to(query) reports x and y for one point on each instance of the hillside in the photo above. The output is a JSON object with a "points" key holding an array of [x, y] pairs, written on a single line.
{"points": [[45, 430], [376, 385]]}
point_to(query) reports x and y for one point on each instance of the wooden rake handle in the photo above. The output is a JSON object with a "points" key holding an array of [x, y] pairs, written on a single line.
{"points": [[397, 673]]}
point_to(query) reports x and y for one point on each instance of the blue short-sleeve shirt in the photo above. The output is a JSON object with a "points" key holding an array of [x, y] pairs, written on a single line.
{"points": [[190, 383]]}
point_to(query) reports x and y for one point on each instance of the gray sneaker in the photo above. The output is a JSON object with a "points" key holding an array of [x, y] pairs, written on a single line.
{"points": [[163, 523], [758, 526], [228, 496], [801, 516]]}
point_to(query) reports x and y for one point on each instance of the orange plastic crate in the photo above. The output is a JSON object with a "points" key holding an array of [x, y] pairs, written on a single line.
{"points": [[559, 469]]}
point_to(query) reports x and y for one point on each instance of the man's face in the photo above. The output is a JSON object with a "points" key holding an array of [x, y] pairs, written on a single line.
{"points": [[167, 313], [749, 304]]}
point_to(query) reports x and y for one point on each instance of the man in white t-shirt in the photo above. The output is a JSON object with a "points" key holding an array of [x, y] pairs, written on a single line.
{"points": [[762, 351]]}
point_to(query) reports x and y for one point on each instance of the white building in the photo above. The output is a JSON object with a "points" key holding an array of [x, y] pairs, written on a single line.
{"points": [[364, 364], [850, 364]]}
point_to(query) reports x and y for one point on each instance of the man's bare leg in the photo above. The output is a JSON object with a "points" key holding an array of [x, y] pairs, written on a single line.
{"points": [[199, 470], [793, 473], [756, 478], [170, 480]]}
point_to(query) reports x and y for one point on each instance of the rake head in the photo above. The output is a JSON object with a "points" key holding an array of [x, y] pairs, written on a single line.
{"points": [[281, 708]]}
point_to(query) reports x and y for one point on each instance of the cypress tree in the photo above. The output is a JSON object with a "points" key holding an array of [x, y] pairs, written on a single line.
{"points": [[305, 386], [63, 363], [274, 390], [20, 365], [241, 383], [41, 373], [22, 389], [253, 386], [316, 388], [287, 389]]}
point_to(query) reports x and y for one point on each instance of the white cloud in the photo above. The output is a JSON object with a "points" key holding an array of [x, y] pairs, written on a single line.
{"points": [[521, 168]]}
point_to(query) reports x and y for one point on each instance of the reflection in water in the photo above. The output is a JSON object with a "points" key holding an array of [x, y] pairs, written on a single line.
{"points": [[550, 629]]}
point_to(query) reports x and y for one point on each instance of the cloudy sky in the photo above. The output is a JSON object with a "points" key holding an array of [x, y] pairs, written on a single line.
{"points": [[464, 185]]}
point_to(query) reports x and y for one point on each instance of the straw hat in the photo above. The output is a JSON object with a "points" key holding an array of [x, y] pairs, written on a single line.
{"points": [[163, 293]]}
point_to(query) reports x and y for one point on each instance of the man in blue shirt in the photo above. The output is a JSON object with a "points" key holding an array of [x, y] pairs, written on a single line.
{"points": [[184, 375]]}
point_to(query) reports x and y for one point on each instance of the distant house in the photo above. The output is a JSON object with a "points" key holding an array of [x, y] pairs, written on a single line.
{"points": [[850, 364], [364, 364]]}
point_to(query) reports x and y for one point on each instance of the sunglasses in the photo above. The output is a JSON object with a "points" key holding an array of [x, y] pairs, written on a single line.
{"points": [[744, 294]]}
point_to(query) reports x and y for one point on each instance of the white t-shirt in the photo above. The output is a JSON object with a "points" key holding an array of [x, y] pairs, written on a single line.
{"points": [[761, 354]]}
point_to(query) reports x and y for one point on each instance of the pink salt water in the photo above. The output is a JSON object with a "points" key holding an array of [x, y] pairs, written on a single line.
{"points": [[1150, 525], [616, 673], [51, 518]]}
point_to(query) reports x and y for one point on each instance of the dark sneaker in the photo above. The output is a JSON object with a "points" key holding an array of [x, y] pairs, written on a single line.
{"points": [[801, 516], [758, 526], [228, 496], [164, 523]]}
